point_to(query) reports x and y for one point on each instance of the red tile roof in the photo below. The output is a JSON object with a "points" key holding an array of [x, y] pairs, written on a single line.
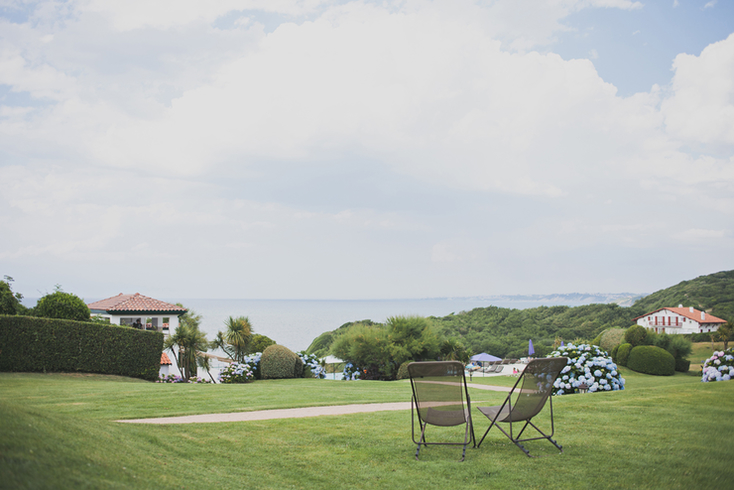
{"points": [[686, 312], [134, 302], [165, 359]]}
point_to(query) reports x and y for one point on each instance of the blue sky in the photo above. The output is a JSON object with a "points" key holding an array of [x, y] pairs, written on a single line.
{"points": [[365, 150], [634, 48]]}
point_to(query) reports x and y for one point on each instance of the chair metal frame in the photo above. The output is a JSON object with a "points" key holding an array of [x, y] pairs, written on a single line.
{"points": [[507, 413], [424, 408]]}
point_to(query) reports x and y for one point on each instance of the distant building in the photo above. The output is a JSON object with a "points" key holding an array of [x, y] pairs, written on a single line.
{"points": [[136, 310], [166, 365], [680, 320]]}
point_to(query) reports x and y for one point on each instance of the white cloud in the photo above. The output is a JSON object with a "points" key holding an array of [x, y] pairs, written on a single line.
{"points": [[167, 142], [700, 110], [165, 14], [698, 235]]}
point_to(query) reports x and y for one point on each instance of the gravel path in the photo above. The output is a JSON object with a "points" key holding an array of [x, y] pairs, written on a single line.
{"points": [[289, 413]]}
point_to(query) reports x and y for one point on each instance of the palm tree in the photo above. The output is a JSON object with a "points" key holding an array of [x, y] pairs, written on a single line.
{"points": [[191, 343], [235, 341]]}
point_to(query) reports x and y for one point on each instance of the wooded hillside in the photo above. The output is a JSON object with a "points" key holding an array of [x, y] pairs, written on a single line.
{"points": [[505, 332]]}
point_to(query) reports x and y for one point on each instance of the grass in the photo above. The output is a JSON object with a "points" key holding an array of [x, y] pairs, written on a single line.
{"points": [[59, 431], [702, 351]]}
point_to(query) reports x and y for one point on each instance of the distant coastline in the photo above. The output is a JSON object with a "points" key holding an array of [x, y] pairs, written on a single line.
{"points": [[296, 323]]}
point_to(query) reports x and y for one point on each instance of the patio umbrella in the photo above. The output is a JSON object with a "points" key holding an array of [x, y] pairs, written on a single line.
{"points": [[531, 351], [484, 357]]}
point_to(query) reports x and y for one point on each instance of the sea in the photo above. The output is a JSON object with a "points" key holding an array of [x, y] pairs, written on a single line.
{"points": [[296, 323]]}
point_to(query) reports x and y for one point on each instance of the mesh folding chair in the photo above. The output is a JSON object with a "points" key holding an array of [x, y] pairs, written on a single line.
{"points": [[527, 398], [441, 398]]}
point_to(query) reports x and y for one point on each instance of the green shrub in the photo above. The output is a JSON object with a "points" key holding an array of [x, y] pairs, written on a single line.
{"points": [[31, 344], [259, 343], [62, 305], [649, 359], [597, 340], [637, 335], [682, 365], [678, 345], [403, 370], [10, 302], [611, 338], [614, 353], [278, 361], [299, 368], [623, 353]]}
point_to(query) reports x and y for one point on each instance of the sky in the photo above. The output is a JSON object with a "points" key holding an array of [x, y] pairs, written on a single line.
{"points": [[364, 150]]}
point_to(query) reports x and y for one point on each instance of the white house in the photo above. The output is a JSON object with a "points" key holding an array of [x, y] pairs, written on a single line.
{"points": [[139, 311], [680, 320]]}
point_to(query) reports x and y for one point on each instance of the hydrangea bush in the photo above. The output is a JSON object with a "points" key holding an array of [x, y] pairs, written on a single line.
{"points": [[175, 378], [351, 372], [237, 372], [310, 361], [719, 367], [254, 362], [587, 364]]}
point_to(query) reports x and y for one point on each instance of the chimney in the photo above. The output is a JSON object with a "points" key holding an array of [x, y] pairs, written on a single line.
{"points": [[690, 308], [703, 315], [680, 306]]}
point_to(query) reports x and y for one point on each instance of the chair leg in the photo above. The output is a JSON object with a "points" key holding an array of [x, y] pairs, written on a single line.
{"points": [[421, 440], [485, 434]]}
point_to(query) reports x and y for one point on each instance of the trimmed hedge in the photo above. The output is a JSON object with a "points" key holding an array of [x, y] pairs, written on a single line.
{"points": [[623, 354], [278, 361], [31, 344], [682, 365], [648, 359]]}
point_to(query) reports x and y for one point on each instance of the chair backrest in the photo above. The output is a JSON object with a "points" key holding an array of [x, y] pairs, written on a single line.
{"points": [[439, 391], [534, 387]]}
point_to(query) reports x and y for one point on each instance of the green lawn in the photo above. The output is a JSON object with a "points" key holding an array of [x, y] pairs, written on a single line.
{"points": [[702, 351], [59, 431]]}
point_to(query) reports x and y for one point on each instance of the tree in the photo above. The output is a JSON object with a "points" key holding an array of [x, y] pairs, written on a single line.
{"points": [[411, 338], [62, 305], [380, 350], [9, 301], [453, 350], [365, 346], [235, 341], [191, 344], [725, 332], [259, 343], [679, 346]]}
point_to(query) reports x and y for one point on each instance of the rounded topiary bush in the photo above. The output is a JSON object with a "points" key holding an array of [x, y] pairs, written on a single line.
{"points": [[589, 365], [719, 367], [636, 335], [623, 354], [648, 359], [611, 338], [278, 361], [403, 370]]}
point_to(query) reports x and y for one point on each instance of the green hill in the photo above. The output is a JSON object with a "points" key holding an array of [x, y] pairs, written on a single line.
{"points": [[713, 293], [505, 332]]}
